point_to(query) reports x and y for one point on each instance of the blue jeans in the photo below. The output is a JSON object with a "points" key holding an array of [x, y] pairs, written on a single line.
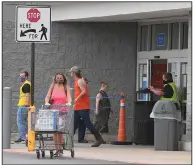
{"points": [[22, 122], [84, 114]]}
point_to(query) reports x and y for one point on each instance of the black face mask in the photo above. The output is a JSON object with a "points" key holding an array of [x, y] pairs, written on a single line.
{"points": [[60, 81], [164, 82]]}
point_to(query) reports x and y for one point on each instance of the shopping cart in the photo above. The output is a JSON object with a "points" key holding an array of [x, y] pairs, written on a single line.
{"points": [[53, 119]]}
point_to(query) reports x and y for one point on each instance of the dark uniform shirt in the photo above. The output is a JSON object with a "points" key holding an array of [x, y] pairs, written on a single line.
{"points": [[105, 101], [168, 91], [26, 88]]}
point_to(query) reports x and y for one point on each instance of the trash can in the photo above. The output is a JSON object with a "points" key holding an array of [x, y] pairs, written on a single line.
{"points": [[143, 124], [166, 116]]}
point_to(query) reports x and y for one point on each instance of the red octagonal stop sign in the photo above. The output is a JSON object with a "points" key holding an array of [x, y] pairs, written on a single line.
{"points": [[33, 15]]}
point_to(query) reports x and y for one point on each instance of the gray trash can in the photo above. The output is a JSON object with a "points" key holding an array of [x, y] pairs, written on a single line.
{"points": [[166, 128]]}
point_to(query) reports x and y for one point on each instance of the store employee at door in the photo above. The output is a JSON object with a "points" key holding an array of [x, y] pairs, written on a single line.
{"points": [[169, 91]]}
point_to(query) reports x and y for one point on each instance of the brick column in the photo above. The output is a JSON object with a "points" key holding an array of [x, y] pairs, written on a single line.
{"points": [[189, 83]]}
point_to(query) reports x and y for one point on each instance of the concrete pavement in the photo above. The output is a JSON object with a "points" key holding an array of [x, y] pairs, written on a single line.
{"points": [[31, 159], [134, 154]]}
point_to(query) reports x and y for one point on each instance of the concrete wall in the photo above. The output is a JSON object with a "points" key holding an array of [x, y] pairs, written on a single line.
{"points": [[104, 51]]}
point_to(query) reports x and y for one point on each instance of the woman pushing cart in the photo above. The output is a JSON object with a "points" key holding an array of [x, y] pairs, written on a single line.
{"points": [[56, 117]]}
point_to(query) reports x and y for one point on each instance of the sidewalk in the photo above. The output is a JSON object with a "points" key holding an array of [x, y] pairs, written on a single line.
{"points": [[129, 154]]}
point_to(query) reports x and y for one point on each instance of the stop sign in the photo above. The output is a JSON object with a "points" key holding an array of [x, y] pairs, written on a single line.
{"points": [[33, 15]]}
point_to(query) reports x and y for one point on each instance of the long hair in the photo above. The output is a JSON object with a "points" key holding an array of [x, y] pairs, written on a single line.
{"points": [[65, 80]]}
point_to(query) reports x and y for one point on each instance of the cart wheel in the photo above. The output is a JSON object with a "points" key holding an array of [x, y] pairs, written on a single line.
{"points": [[38, 155], [72, 153], [43, 154], [51, 154]]}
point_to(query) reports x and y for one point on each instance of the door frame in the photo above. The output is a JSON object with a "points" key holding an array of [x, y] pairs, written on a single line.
{"points": [[170, 57]]}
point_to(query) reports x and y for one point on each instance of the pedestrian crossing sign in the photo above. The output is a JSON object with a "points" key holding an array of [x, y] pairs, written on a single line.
{"points": [[33, 24]]}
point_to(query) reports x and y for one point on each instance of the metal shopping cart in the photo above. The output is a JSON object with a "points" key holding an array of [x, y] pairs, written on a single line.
{"points": [[57, 120]]}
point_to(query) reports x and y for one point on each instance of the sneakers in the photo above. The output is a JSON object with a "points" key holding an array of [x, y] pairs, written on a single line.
{"points": [[58, 153], [83, 141], [19, 140], [61, 152]]}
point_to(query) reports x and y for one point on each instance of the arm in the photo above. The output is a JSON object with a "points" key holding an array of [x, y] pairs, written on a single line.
{"points": [[69, 98], [47, 98], [157, 92], [27, 99], [157, 89], [98, 98], [82, 85]]}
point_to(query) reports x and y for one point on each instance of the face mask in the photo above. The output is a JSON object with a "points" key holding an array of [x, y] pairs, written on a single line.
{"points": [[60, 81], [164, 82], [22, 79], [106, 89]]}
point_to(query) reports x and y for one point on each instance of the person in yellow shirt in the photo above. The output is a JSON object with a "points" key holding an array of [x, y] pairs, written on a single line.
{"points": [[23, 106], [169, 91]]}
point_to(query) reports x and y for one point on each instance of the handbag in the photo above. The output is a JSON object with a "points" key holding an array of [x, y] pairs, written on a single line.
{"points": [[50, 99]]}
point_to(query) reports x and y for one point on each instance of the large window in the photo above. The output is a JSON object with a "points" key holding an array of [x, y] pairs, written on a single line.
{"points": [[159, 36], [172, 68], [174, 36], [183, 93], [165, 36], [183, 81], [143, 83], [184, 36], [144, 38]]}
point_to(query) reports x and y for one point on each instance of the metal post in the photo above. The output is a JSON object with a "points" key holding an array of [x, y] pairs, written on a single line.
{"points": [[71, 135], [72, 95], [7, 107], [32, 71]]}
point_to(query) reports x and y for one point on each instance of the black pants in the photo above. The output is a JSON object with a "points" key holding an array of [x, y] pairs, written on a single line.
{"points": [[43, 34], [82, 130], [84, 114], [101, 120]]}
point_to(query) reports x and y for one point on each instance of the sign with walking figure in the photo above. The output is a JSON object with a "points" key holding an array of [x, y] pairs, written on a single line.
{"points": [[44, 31], [33, 24]]}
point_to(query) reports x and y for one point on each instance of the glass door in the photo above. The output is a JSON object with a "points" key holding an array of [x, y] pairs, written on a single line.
{"points": [[178, 68], [158, 68], [183, 79], [143, 68]]}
